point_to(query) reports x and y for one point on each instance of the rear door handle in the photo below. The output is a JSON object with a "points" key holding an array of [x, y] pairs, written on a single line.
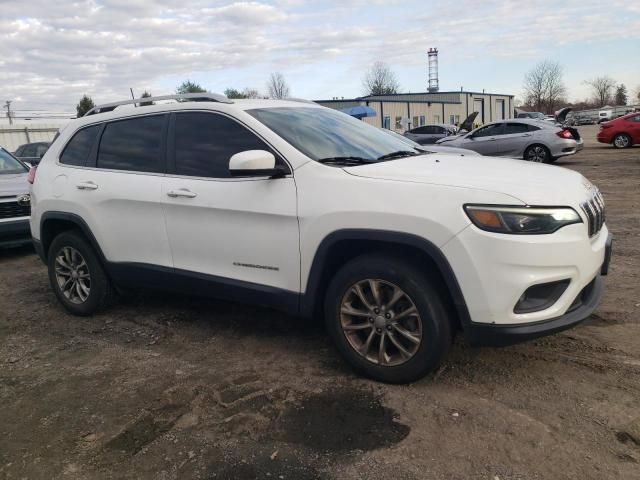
{"points": [[87, 186], [526, 134], [181, 192]]}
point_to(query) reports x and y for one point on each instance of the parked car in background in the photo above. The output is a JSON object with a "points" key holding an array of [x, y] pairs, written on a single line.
{"points": [[432, 148], [32, 152], [532, 115], [533, 140], [584, 120], [15, 202], [430, 133], [623, 132], [325, 215], [605, 115]]}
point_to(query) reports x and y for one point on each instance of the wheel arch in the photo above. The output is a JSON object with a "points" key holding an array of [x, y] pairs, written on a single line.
{"points": [[341, 246], [54, 223]]}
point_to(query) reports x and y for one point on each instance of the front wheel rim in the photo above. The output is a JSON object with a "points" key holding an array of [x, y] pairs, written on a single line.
{"points": [[381, 322], [621, 141], [72, 275]]}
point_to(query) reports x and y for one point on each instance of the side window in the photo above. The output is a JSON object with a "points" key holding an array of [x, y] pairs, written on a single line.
{"points": [[635, 118], [420, 130], [204, 143], [532, 128], [18, 152], [489, 130], [29, 151], [41, 150], [514, 128], [133, 144], [79, 147]]}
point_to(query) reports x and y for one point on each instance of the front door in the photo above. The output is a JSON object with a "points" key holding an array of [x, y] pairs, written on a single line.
{"points": [[239, 232], [513, 140], [484, 139]]}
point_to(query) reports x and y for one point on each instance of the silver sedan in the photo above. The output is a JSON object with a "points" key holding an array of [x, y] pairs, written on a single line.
{"points": [[532, 140]]}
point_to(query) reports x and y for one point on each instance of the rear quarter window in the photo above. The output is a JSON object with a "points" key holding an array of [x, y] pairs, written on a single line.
{"points": [[79, 147]]}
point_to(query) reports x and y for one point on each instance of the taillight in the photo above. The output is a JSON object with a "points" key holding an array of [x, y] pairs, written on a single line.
{"points": [[565, 134], [32, 175]]}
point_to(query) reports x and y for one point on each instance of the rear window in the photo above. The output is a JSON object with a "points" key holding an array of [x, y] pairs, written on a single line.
{"points": [[133, 144], [79, 147]]}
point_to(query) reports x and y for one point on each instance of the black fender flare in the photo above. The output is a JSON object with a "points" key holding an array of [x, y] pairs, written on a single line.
{"points": [[309, 299], [78, 222]]}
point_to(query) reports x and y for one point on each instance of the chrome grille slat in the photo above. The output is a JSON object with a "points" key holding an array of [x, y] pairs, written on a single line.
{"points": [[595, 212]]}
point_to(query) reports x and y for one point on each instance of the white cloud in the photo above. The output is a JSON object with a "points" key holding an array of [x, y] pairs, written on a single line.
{"points": [[55, 52]]}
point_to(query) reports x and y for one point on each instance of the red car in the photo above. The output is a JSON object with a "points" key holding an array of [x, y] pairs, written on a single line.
{"points": [[622, 132]]}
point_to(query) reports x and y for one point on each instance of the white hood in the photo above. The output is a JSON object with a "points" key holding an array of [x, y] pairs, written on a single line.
{"points": [[532, 183]]}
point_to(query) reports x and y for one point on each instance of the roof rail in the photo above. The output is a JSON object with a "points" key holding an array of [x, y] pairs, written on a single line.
{"points": [[193, 97]]}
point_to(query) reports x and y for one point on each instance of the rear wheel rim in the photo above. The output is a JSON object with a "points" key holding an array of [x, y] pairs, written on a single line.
{"points": [[72, 275], [537, 154], [621, 141], [381, 322]]}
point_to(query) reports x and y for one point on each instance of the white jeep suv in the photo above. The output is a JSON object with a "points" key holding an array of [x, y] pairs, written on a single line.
{"points": [[291, 205]]}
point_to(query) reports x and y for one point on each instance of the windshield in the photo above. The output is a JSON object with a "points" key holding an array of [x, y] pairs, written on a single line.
{"points": [[9, 164], [322, 134]]}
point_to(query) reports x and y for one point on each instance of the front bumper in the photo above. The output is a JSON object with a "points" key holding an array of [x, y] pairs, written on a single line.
{"points": [[494, 270], [502, 335], [15, 232]]}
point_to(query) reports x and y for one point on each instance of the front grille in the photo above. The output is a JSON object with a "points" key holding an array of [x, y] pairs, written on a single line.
{"points": [[594, 210], [13, 210]]}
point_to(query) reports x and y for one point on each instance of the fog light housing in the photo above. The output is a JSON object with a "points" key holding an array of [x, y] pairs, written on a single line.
{"points": [[541, 296]]}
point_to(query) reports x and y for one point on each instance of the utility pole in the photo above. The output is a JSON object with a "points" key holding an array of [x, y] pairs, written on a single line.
{"points": [[7, 105]]}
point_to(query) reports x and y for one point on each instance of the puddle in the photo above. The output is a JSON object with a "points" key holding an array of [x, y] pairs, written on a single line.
{"points": [[341, 421]]}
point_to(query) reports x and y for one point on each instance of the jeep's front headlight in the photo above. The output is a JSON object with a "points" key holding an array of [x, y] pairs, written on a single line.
{"points": [[521, 220]]}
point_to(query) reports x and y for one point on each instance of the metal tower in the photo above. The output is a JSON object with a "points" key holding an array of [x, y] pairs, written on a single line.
{"points": [[433, 70]]}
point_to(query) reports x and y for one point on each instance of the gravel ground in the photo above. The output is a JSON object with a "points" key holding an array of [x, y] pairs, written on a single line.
{"points": [[165, 387]]}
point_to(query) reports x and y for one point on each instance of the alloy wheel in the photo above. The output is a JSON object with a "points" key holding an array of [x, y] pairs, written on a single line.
{"points": [[537, 154], [72, 275], [381, 322], [621, 141]]}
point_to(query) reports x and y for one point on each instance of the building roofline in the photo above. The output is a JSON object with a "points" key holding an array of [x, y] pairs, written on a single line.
{"points": [[370, 97], [447, 102]]}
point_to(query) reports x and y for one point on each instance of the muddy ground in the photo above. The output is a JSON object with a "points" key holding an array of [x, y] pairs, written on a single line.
{"points": [[164, 387]]}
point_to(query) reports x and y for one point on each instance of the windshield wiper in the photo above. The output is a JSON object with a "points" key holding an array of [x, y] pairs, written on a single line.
{"points": [[349, 160], [398, 154]]}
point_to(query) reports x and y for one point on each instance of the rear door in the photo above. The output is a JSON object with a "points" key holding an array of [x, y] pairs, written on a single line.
{"points": [[229, 229], [112, 180], [513, 140]]}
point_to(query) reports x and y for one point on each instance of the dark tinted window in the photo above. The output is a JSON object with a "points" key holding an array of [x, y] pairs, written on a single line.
{"points": [[78, 149], [532, 128], [134, 144], [635, 118], [420, 130], [489, 130], [206, 141], [29, 150], [512, 128]]}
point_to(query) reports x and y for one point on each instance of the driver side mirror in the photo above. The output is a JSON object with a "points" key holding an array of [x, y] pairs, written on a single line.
{"points": [[255, 163]]}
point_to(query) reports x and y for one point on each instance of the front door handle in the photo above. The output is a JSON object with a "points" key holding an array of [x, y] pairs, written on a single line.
{"points": [[181, 192], [87, 186]]}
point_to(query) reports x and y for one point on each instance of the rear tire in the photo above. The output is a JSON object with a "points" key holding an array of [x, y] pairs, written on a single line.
{"points": [[537, 153], [77, 276], [377, 336], [622, 140]]}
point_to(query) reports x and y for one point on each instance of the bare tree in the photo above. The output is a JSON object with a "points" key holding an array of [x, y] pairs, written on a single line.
{"points": [[380, 80], [146, 95], [277, 86], [601, 88], [544, 89]]}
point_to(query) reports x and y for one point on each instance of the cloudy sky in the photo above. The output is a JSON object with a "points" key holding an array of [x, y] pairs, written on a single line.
{"points": [[53, 52]]}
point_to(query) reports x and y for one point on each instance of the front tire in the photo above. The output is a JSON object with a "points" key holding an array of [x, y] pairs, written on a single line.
{"points": [[537, 153], [386, 319], [77, 276], [622, 140]]}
